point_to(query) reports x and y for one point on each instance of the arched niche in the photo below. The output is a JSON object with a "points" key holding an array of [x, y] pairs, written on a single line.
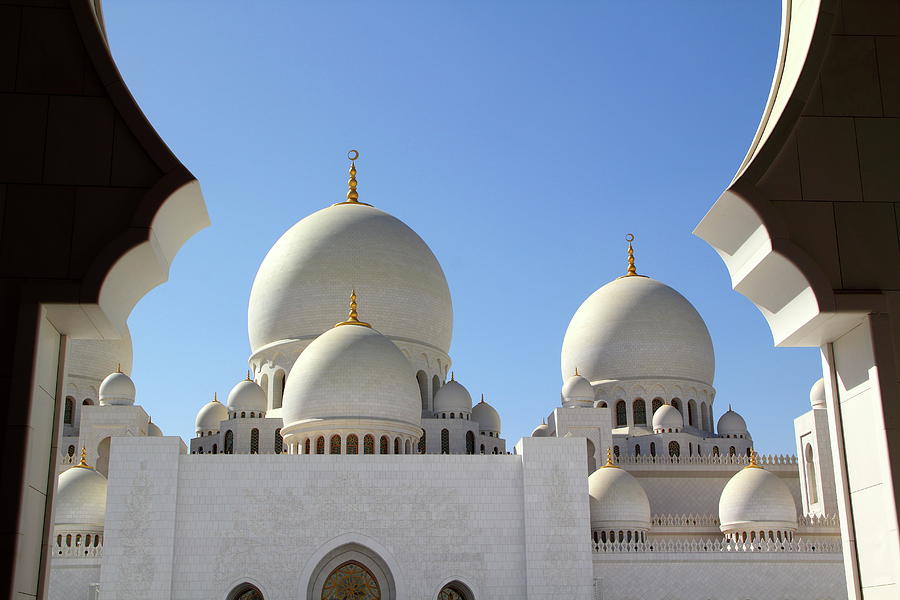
{"points": [[454, 590], [245, 591], [356, 561]]}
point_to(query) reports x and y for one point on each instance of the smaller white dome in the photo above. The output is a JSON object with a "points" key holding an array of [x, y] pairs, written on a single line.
{"points": [[617, 500], [117, 389], [667, 417], [487, 418], [80, 497], [247, 396], [153, 430], [817, 394], [577, 389], [542, 430], [452, 397], [210, 416], [756, 499], [731, 423]]}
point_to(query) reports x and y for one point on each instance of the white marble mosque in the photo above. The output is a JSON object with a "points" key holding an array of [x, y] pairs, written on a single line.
{"points": [[351, 462]]}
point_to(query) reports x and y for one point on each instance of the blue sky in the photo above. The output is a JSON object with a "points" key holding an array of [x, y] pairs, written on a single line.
{"points": [[521, 140]]}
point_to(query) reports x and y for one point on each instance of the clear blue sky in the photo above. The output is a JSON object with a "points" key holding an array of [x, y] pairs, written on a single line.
{"points": [[521, 140]]}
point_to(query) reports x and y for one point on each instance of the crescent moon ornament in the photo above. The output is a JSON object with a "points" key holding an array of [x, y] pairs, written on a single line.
{"points": [[353, 155], [629, 237]]}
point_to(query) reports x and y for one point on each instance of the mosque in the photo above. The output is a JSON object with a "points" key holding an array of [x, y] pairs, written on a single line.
{"points": [[352, 464]]}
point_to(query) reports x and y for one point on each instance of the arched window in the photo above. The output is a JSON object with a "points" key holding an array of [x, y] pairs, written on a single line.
{"points": [[352, 444], [396, 445], [692, 410], [422, 443], [229, 442], [243, 415], [71, 451], [351, 580], [690, 449], [254, 441], [200, 450], [320, 445], [715, 451], [369, 444], [455, 591], [215, 448], [677, 404], [621, 417], [652, 448], [616, 451], [812, 491], [452, 415], [657, 402], [637, 449], [384, 444], [422, 378], [278, 389], [245, 591], [335, 446], [674, 449], [731, 451], [435, 386], [445, 441], [87, 402], [749, 452], [306, 446], [252, 415], [482, 448], [279, 442], [470, 442], [704, 416], [69, 411], [407, 447], [639, 409]]}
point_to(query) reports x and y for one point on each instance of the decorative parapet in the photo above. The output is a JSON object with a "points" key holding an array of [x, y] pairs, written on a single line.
{"points": [[763, 460], [78, 544], [699, 545], [684, 521], [65, 459], [819, 522]]}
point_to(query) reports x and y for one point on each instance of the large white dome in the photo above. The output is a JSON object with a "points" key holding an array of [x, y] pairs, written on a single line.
{"points": [[755, 498], [302, 284], [638, 328], [352, 372], [80, 497]]}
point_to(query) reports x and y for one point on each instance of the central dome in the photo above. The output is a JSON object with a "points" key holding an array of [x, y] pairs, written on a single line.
{"points": [[312, 267], [638, 328]]}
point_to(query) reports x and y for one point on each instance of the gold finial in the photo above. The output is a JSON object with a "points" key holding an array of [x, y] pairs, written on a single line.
{"points": [[609, 460], [352, 194], [576, 372], [753, 464], [118, 367], [632, 271], [352, 316], [482, 396], [83, 464], [452, 375], [248, 376], [215, 399]]}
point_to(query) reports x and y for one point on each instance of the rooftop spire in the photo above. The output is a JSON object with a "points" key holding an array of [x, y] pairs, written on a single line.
{"points": [[631, 271], [352, 316], [753, 464], [215, 399], [248, 376], [576, 372], [352, 194], [609, 460], [83, 464]]}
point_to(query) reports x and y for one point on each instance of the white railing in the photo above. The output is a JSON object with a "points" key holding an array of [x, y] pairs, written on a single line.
{"points": [[762, 460], [819, 521], [684, 521], [65, 459], [78, 544], [696, 545]]}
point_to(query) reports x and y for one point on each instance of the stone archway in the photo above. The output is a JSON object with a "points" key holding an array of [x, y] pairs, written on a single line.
{"points": [[351, 571]]}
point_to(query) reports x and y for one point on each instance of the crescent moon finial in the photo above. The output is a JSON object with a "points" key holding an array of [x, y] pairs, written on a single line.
{"points": [[353, 154]]}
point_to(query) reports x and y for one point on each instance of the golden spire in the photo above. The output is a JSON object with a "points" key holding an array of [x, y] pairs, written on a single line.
{"points": [[83, 464], [482, 396], [352, 194], [632, 271], [352, 316], [215, 399], [576, 372], [248, 376], [452, 375], [118, 367], [609, 460], [753, 464]]}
